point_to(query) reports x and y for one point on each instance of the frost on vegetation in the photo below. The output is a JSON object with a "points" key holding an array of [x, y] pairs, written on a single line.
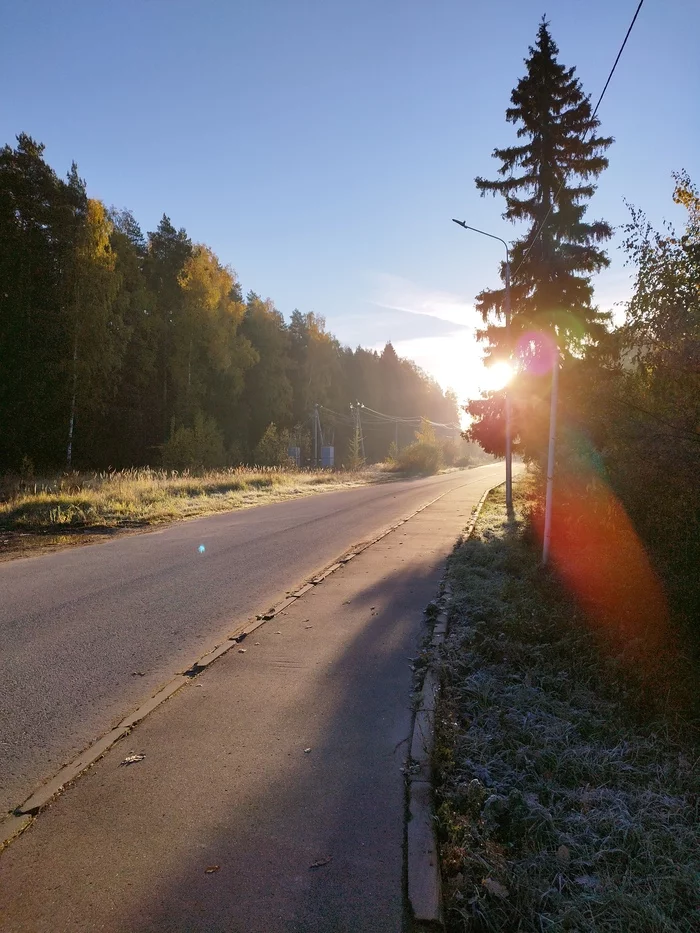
{"points": [[562, 804]]}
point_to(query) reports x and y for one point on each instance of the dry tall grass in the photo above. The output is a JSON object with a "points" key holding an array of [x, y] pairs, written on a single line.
{"points": [[144, 496]]}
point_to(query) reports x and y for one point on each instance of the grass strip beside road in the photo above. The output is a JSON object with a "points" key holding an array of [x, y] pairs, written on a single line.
{"points": [[566, 799], [76, 507]]}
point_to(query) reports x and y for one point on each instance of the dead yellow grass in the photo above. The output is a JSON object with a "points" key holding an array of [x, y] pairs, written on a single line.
{"points": [[142, 497]]}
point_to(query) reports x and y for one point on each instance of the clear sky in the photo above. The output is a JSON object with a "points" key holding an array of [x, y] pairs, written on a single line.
{"points": [[320, 147]]}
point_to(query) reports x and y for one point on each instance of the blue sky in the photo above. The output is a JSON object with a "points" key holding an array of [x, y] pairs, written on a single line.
{"points": [[322, 146]]}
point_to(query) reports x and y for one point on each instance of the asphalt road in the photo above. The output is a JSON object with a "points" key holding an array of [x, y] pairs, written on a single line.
{"points": [[87, 634], [268, 795]]}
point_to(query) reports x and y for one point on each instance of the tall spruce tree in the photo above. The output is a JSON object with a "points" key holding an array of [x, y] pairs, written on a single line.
{"points": [[546, 182]]}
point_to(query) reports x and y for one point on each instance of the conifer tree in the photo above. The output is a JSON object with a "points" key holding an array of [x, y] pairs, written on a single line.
{"points": [[546, 181]]}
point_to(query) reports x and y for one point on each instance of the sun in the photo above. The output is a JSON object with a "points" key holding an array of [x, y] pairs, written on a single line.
{"points": [[496, 377]]}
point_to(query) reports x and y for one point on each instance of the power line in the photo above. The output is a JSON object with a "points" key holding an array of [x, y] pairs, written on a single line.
{"points": [[590, 126], [415, 420], [383, 419]]}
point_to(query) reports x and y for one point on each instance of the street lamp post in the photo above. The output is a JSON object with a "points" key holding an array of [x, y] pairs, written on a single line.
{"points": [[509, 459]]}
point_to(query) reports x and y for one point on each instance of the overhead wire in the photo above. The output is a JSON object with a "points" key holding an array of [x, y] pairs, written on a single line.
{"points": [[414, 420], [382, 420]]}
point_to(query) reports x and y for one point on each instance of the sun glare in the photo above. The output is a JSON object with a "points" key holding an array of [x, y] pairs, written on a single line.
{"points": [[496, 377]]}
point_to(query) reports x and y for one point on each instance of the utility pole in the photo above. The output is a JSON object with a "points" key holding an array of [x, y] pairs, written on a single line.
{"points": [[550, 458], [319, 432], [360, 406], [509, 456], [316, 436]]}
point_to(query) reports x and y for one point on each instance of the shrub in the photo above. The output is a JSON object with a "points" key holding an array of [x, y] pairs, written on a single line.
{"points": [[196, 448], [449, 451], [424, 455], [272, 448], [420, 457]]}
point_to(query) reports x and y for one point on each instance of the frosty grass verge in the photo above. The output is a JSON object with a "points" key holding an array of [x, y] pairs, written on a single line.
{"points": [[562, 804]]}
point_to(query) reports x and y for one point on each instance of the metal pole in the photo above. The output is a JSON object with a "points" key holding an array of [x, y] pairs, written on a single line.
{"points": [[315, 436], [550, 460], [359, 425], [509, 458]]}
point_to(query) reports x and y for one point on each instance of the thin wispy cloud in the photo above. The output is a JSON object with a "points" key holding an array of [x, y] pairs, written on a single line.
{"points": [[399, 294]]}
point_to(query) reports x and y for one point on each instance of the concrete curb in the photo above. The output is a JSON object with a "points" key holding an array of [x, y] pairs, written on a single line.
{"points": [[23, 815], [422, 855]]}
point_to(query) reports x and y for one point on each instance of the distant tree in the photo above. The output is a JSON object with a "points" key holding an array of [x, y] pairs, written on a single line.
{"points": [[268, 395], [167, 252], [131, 429], [210, 355], [316, 362], [39, 219], [355, 459], [273, 447], [546, 181], [91, 289]]}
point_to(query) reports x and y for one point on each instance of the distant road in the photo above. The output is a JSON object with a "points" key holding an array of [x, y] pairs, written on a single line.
{"points": [[88, 633]]}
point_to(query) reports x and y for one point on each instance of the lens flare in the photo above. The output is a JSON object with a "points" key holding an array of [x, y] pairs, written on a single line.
{"points": [[597, 552], [536, 352]]}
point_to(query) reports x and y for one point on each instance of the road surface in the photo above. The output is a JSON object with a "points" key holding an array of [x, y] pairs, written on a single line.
{"points": [[88, 634], [268, 795]]}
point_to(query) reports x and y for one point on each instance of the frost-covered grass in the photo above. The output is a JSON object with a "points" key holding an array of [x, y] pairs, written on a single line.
{"points": [[142, 496], [568, 795]]}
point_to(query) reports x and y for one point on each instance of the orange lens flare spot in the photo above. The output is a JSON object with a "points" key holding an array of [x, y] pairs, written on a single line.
{"points": [[599, 556]]}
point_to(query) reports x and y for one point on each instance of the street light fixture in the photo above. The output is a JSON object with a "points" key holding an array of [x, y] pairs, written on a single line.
{"points": [[509, 459]]}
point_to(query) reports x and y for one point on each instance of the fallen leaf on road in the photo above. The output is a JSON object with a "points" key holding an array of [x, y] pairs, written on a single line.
{"points": [[132, 759], [211, 869], [242, 650], [495, 887], [308, 626], [137, 674], [321, 862], [306, 751], [278, 633]]}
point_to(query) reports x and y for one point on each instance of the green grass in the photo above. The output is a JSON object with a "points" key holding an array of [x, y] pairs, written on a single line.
{"points": [[129, 497], [567, 785]]}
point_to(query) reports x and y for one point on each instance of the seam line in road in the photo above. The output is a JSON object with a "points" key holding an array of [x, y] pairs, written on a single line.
{"points": [[23, 815]]}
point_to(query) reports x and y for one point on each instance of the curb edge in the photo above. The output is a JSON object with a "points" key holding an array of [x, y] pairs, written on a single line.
{"points": [[422, 853]]}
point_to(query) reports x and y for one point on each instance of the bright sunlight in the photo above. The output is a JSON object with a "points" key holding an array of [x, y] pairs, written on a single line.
{"points": [[496, 377]]}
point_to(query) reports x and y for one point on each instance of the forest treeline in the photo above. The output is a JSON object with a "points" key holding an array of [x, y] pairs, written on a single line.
{"points": [[122, 349]]}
